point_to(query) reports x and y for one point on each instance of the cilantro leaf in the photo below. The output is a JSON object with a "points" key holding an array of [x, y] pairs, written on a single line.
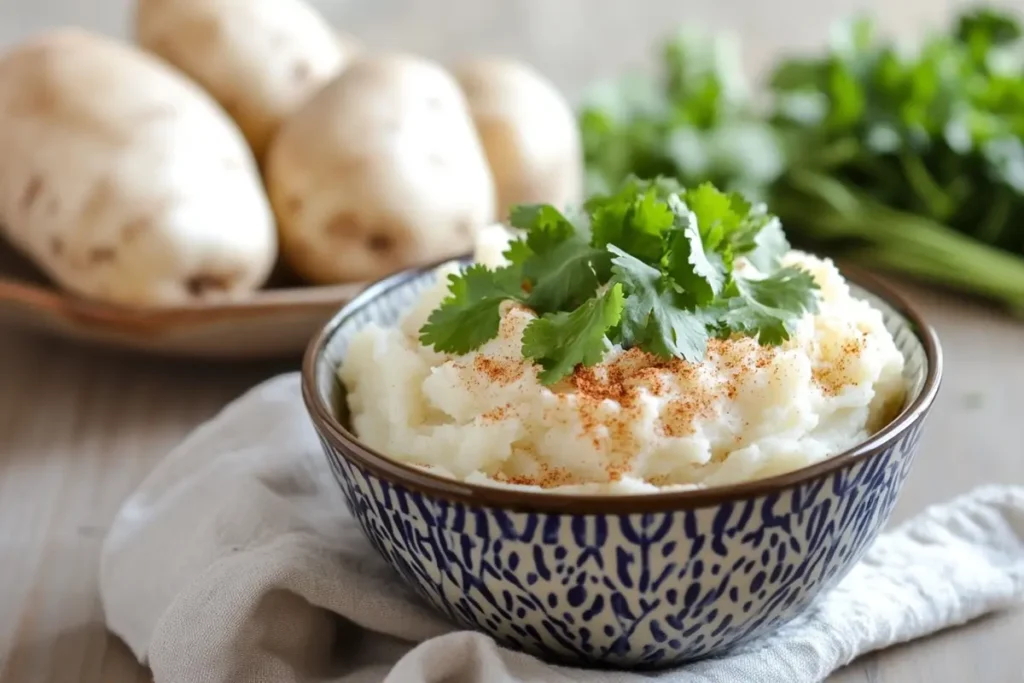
{"points": [[558, 342], [545, 225], [768, 308], [562, 270], [654, 313], [762, 241], [470, 315], [663, 186], [701, 274], [633, 220], [715, 213], [986, 25], [517, 252], [566, 276]]}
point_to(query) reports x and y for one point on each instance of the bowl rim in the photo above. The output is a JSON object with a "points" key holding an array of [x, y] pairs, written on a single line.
{"points": [[415, 479]]}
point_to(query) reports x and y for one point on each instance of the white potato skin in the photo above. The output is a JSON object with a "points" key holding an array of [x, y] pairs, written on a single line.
{"points": [[122, 180], [261, 59], [382, 170], [528, 130]]}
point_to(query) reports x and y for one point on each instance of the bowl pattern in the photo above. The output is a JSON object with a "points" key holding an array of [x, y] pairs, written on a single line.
{"points": [[640, 590], [650, 589]]}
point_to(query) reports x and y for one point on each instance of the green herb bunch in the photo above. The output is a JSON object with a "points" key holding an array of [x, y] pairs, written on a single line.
{"points": [[907, 159], [650, 265]]}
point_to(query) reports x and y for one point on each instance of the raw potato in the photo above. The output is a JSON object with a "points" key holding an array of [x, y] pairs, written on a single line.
{"points": [[261, 59], [380, 171], [528, 130], [123, 180]]}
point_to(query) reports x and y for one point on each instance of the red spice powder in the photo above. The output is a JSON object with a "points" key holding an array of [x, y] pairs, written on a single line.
{"points": [[548, 477], [832, 378], [622, 381], [500, 371]]}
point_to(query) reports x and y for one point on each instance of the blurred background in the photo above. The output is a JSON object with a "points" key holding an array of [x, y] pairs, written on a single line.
{"points": [[571, 41]]}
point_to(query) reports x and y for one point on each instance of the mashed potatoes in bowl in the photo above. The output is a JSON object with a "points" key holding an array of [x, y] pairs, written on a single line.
{"points": [[604, 468], [634, 422]]}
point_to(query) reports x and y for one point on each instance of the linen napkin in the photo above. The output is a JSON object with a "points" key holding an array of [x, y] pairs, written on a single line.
{"points": [[236, 561]]}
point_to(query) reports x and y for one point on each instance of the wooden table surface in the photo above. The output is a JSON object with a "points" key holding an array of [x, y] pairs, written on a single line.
{"points": [[80, 427]]}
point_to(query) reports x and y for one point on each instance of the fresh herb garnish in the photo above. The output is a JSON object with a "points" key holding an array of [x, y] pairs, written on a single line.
{"points": [[470, 315], [648, 266], [762, 307], [655, 314], [560, 341]]}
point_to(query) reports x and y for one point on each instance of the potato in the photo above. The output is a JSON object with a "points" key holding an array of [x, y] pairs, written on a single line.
{"points": [[261, 59], [122, 180], [528, 130], [380, 171]]}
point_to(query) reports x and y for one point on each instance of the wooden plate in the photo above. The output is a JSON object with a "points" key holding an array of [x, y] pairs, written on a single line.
{"points": [[273, 323]]}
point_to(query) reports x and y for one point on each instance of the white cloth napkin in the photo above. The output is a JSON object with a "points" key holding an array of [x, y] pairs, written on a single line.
{"points": [[236, 561]]}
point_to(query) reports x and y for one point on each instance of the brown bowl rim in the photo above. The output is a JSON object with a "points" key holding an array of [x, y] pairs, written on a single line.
{"points": [[423, 482]]}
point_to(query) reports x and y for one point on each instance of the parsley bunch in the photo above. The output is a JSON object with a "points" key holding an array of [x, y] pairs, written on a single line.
{"points": [[910, 159], [650, 265]]}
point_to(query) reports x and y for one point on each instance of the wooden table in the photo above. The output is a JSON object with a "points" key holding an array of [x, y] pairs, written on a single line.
{"points": [[80, 427]]}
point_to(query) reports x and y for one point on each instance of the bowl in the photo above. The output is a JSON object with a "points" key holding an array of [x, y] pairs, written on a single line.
{"points": [[626, 581]]}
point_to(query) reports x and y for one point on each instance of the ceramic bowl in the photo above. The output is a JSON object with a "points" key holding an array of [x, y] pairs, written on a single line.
{"points": [[637, 581]]}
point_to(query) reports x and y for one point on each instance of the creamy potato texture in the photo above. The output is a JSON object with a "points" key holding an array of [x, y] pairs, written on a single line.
{"points": [[635, 423]]}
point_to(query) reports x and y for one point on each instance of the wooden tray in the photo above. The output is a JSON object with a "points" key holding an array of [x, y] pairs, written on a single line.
{"points": [[273, 323]]}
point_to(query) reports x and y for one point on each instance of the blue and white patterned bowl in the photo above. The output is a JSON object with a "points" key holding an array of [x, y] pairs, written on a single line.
{"points": [[638, 581]]}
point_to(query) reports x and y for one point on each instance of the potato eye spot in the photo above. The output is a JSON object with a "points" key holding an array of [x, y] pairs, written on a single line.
{"points": [[204, 283], [380, 243], [102, 255], [134, 229], [344, 225], [31, 193]]}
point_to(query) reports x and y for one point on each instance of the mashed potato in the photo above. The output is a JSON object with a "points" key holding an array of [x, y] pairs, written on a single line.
{"points": [[634, 423]]}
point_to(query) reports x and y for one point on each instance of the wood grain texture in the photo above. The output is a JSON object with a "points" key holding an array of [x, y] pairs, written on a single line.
{"points": [[79, 428]]}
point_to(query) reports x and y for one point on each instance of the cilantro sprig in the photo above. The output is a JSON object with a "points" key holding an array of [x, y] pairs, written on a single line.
{"points": [[650, 265], [905, 156]]}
